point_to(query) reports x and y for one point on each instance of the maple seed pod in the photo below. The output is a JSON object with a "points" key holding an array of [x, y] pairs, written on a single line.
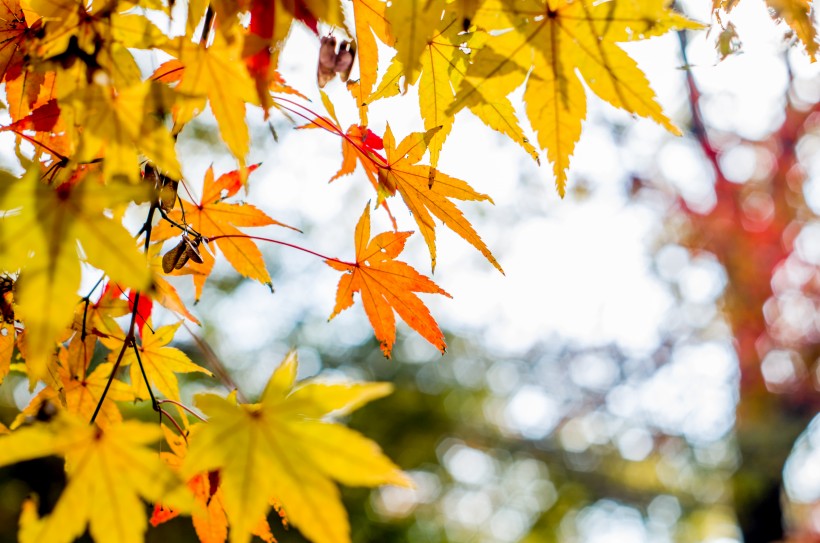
{"points": [[191, 250], [344, 59], [167, 193], [332, 62], [327, 61], [176, 258]]}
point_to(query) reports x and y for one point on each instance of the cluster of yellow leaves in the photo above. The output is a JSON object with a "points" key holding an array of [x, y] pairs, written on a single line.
{"points": [[109, 470], [246, 457], [95, 134]]}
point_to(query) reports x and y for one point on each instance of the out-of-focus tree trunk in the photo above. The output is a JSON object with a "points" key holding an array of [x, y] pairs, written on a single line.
{"points": [[751, 231]]}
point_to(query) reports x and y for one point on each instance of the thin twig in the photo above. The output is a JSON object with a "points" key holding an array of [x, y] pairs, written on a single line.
{"points": [[33, 141], [333, 129], [129, 339], [187, 229], [110, 379], [154, 404], [87, 300], [698, 125]]}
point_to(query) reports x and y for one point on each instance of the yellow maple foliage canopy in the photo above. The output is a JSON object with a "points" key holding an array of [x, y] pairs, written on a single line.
{"points": [[98, 136]]}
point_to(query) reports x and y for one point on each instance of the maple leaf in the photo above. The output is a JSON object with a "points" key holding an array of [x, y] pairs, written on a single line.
{"points": [[40, 233], [209, 518], [283, 446], [81, 391], [385, 285], [27, 90], [796, 13], [359, 143], [443, 66], [32, 106], [369, 19], [115, 124], [13, 31], [98, 318], [204, 73], [426, 192], [141, 307], [413, 23], [213, 218], [108, 471], [270, 22], [41, 119], [557, 38], [161, 363]]}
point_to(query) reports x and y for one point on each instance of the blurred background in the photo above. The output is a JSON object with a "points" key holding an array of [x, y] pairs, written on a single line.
{"points": [[647, 369]]}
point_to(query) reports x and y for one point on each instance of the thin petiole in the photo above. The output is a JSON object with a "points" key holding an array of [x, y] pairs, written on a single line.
{"points": [[173, 421], [182, 406], [279, 242]]}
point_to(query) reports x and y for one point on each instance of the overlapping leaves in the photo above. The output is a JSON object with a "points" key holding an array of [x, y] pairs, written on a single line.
{"points": [[109, 470], [284, 448], [104, 138]]}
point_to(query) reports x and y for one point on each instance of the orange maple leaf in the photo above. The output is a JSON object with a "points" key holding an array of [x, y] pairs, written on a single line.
{"points": [[213, 218], [41, 119], [81, 388], [13, 32], [209, 518], [429, 193], [385, 285]]}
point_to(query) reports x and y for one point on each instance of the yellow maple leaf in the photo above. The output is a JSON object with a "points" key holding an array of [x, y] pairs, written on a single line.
{"points": [[369, 17], [284, 447], [161, 363], [413, 23], [120, 123], [81, 391], [109, 470], [796, 13], [206, 71], [557, 39], [385, 285], [428, 192], [443, 65], [39, 234], [209, 518]]}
